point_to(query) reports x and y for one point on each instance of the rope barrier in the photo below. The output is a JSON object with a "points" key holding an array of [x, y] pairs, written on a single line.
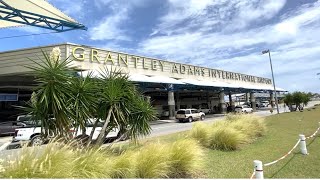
{"points": [[273, 162], [254, 172], [303, 150], [313, 133]]}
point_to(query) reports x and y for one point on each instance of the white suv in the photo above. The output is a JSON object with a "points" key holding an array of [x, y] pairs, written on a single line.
{"points": [[32, 135], [243, 109], [189, 115]]}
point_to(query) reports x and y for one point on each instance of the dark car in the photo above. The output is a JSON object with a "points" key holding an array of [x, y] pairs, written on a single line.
{"points": [[8, 127]]}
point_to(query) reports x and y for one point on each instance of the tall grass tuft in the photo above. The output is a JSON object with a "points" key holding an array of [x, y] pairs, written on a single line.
{"points": [[226, 138], [250, 125], [199, 132], [38, 162], [91, 163], [152, 161], [185, 156], [230, 133], [123, 166]]}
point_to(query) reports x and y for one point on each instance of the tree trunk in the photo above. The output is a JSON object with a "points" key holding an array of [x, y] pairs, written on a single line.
{"points": [[104, 128]]}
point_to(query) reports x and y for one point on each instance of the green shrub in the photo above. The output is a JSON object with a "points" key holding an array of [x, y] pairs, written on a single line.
{"points": [[185, 158], [152, 161], [226, 138]]}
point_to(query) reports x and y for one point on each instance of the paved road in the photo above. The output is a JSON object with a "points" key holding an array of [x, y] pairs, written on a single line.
{"points": [[173, 126]]}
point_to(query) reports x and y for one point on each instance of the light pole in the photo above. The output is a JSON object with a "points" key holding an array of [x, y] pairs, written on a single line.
{"points": [[274, 84]]}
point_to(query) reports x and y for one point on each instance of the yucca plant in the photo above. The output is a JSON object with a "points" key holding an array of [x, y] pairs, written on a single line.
{"points": [[122, 106], [52, 94]]}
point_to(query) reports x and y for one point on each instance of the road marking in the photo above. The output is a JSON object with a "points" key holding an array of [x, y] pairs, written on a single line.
{"points": [[4, 146]]}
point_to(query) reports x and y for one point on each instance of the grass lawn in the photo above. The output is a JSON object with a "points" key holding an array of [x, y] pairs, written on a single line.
{"points": [[281, 136]]}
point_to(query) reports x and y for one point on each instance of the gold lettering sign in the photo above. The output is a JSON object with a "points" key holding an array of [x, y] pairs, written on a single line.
{"points": [[94, 55], [136, 59], [81, 55], [125, 61], [119, 59], [109, 58]]}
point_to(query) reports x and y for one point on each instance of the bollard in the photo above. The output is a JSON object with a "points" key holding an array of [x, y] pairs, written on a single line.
{"points": [[258, 169], [303, 147]]}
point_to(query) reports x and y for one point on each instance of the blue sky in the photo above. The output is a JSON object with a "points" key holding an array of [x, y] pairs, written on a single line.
{"points": [[228, 35]]}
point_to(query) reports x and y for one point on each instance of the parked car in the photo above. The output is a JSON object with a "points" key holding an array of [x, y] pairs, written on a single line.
{"points": [[32, 135], [8, 127], [189, 115], [205, 110], [264, 103], [243, 109]]}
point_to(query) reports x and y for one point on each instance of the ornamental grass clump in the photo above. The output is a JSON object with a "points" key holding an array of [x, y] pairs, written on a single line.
{"points": [[250, 125], [92, 163], [225, 138], [122, 166], [185, 158], [230, 133], [200, 133], [52, 161], [152, 161]]}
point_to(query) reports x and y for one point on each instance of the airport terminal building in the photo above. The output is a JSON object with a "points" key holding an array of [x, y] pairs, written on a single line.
{"points": [[168, 85]]}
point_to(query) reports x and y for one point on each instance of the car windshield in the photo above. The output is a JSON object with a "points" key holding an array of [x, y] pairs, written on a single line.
{"points": [[181, 112]]}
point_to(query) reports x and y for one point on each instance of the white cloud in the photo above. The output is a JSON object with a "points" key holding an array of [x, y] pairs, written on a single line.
{"points": [[209, 15], [185, 34], [110, 27]]}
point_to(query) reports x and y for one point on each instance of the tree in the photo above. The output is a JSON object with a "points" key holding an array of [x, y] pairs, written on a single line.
{"points": [[51, 95], [122, 106], [297, 98]]}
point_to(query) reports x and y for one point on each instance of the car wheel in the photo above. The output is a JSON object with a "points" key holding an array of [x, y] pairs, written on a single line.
{"points": [[202, 117], [245, 112], [190, 119], [180, 120], [36, 140]]}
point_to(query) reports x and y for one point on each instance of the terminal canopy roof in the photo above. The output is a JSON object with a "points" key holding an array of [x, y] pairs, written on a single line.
{"points": [[170, 80], [37, 13]]}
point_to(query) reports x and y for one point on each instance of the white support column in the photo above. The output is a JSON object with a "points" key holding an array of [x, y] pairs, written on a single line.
{"points": [[258, 167], [247, 97], [303, 146], [171, 102], [222, 103], [253, 101]]}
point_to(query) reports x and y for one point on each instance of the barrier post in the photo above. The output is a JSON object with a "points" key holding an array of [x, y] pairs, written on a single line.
{"points": [[258, 169], [303, 146]]}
